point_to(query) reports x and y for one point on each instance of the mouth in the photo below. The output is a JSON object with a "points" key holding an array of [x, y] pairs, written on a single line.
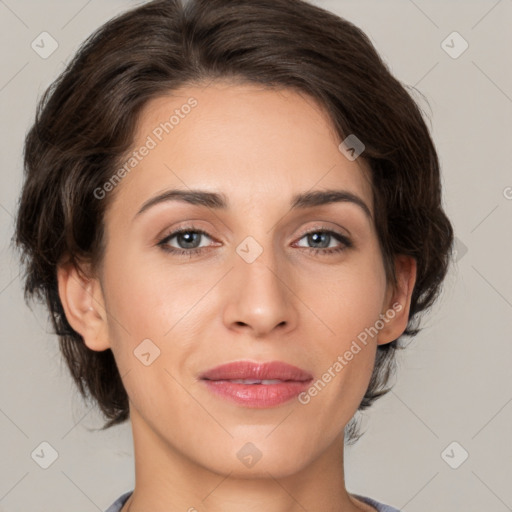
{"points": [[265, 382], [257, 372], [256, 385]]}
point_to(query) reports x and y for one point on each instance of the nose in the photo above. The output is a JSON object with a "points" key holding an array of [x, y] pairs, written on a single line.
{"points": [[259, 297]]}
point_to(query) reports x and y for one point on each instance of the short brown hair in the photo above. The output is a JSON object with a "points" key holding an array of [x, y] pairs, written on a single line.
{"points": [[86, 119]]}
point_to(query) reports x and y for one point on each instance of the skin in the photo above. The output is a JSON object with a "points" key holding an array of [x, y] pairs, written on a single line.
{"points": [[259, 147]]}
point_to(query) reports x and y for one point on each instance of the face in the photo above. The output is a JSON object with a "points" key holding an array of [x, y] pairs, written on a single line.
{"points": [[259, 279]]}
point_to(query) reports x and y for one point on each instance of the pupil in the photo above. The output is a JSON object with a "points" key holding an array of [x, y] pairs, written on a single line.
{"points": [[316, 236], [188, 235]]}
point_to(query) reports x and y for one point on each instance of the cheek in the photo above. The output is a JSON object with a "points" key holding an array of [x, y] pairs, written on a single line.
{"points": [[152, 309], [349, 302], [347, 299], [144, 296]]}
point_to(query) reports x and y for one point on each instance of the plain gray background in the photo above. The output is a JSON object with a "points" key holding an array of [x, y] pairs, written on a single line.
{"points": [[454, 381]]}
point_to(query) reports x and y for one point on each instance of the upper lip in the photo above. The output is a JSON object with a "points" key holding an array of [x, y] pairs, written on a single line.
{"points": [[260, 371]]}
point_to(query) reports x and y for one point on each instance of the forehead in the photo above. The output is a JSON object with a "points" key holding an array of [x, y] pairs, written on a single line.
{"points": [[248, 141]]}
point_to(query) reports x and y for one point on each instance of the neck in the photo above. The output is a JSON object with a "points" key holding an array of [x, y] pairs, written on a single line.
{"points": [[168, 480]]}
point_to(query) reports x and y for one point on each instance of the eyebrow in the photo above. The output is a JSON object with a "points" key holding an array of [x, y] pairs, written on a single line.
{"points": [[219, 201]]}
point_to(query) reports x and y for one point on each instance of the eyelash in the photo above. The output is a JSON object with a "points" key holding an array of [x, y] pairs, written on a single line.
{"points": [[347, 243]]}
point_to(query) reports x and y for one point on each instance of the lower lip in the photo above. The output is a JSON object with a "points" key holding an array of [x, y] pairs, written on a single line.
{"points": [[257, 395]]}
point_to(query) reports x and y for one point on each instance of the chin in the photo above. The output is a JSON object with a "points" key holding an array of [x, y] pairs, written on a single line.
{"points": [[250, 460]]}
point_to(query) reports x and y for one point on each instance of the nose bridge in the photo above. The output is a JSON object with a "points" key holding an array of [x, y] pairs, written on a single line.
{"points": [[258, 294]]}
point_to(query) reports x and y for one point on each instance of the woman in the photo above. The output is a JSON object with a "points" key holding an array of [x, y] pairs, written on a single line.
{"points": [[233, 211]]}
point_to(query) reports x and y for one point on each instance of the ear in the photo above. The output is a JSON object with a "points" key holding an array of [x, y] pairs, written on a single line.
{"points": [[83, 302], [395, 312]]}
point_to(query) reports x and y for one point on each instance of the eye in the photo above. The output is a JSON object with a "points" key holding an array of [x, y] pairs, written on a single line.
{"points": [[189, 241], [187, 238], [324, 238]]}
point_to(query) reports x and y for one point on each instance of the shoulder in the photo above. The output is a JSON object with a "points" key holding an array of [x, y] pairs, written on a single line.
{"points": [[380, 507], [118, 504]]}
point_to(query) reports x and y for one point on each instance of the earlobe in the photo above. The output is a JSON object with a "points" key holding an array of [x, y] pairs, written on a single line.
{"points": [[83, 304], [398, 300]]}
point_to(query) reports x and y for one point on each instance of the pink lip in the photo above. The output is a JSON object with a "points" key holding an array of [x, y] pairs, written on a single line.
{"points": [[251, 370], [295, 380]]}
